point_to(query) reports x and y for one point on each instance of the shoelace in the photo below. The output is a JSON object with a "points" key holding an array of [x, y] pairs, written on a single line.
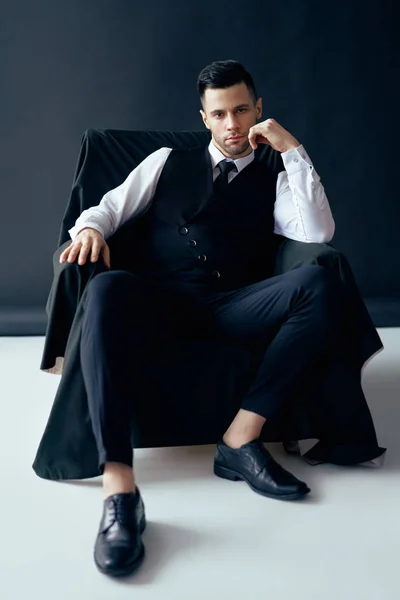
{"points": [[266, 458], [121, 512]]}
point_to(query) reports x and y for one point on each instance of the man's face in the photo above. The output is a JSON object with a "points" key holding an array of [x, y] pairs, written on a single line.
{"points": [[229, 113]]}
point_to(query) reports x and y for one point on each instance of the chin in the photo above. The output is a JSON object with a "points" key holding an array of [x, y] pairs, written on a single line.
{"points": [[235, 150]]}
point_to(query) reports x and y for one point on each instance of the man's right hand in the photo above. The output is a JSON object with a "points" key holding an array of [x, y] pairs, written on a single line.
{"points": [[88, 242]]}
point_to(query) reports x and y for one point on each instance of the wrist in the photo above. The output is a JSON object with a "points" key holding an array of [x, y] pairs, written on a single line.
{"points": [[291, 146]]}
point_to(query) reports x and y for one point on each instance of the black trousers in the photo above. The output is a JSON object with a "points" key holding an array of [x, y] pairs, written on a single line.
{"points": [[297, 315]]}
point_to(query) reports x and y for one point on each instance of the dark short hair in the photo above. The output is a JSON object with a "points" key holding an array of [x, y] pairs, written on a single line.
{"points": [[224, 74]]}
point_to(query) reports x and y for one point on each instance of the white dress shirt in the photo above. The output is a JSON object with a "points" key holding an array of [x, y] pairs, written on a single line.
{"points": [[301, 211]]}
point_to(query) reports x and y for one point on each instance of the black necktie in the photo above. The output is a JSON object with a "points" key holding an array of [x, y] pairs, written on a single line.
{"points": [[221, 182]]}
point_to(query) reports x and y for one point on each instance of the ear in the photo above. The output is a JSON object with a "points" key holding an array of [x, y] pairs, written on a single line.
{"points": [[204, 117], [259, 108]]}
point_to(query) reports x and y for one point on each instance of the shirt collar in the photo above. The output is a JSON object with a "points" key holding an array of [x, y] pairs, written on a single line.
{"points": [[217, 156]]}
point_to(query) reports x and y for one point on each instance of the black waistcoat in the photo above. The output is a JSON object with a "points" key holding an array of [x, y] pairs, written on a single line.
{"points": [[190, 235]]}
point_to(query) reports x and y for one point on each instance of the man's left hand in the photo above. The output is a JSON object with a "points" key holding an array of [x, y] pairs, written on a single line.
{"points": [[271, 133]]}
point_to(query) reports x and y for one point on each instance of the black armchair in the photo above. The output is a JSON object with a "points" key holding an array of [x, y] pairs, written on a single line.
{"points": [[203, 380]]}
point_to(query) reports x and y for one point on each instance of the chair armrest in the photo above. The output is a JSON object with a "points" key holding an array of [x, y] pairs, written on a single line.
{"points": [[69, 283], [86, 269], [292, 254]]}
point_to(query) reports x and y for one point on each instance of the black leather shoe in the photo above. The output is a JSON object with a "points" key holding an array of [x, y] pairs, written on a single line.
{"points": [[119, 548], [254, 464]]}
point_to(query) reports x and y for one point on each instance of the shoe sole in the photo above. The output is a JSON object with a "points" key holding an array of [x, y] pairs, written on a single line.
{"points": [[225, 473], [130, 569]]}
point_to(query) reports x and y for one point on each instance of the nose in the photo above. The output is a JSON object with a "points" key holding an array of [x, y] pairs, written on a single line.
{"points": [[231, 122]]}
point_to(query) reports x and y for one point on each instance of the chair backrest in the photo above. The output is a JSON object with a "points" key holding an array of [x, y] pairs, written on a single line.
{"points": [[107, 156]]}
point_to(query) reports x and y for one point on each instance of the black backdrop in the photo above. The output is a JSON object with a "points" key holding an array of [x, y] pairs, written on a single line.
{"points": [[327, 71]]}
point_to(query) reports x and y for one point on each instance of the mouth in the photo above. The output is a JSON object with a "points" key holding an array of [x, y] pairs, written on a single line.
{"points": [[234, 138]]}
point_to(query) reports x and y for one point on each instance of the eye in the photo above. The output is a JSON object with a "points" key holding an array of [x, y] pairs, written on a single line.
{"points": [[218, 115], [241, 110]]}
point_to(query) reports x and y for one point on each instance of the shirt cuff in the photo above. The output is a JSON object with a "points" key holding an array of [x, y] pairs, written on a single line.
{"points": [[296, 160]]}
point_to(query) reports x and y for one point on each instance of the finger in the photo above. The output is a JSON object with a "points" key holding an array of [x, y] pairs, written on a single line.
{"points": [[261, 139], [106, 256], [64, 254], [75, 248], [84, 253], [252, 138], [95, 250]]}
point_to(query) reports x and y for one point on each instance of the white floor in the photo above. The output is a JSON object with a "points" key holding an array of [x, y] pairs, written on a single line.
{"points": [[207, 538]]}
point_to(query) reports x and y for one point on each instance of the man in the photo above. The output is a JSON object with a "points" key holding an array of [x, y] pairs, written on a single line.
{"points": [[211, 267]]}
